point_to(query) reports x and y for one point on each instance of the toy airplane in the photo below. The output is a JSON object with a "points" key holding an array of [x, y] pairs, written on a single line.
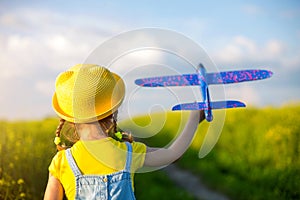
{"points": [[203, 79]]}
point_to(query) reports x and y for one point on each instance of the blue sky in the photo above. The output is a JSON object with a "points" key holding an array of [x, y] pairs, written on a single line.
{"points": [[39, 39]]}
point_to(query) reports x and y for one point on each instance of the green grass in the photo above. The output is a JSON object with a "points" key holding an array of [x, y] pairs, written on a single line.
{"points": [[26, 150], [157, 185], [256, 157]]}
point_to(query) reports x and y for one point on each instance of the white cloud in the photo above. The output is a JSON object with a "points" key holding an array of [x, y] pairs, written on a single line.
{"points": [[45, 87], [235, 50], [245, 93], [58, 43], [35, 46], [245, 43], [14, 57], [241, 49], [273, 48], [42, 37]]}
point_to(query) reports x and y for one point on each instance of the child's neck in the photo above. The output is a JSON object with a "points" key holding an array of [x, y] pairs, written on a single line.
{"points": [[90, 131]]}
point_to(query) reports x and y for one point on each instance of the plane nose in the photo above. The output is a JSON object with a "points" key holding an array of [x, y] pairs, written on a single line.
{"points": [[270, 73]]}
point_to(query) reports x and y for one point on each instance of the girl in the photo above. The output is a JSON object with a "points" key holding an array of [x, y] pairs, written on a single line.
{"points": [[102, 161]]}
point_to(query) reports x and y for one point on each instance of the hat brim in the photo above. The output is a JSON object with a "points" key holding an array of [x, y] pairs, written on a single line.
{"points": [[99, 114]]}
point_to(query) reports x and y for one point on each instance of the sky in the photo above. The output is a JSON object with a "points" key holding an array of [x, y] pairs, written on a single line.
{"points": [[40, 39]]}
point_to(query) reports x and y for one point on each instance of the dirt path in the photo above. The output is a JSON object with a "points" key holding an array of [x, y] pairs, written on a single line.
{"points": [[192, 184]]}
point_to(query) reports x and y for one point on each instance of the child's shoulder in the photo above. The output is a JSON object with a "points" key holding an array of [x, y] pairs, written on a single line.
{"points": [[139, 147], [59, 156], [57, 162]]}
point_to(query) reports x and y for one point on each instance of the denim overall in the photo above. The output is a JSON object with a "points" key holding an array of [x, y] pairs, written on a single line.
{"points": [[103, 187]]}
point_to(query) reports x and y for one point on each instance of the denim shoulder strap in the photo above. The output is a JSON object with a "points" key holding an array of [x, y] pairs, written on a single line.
{"points": [[72, 163], [129, 157]]}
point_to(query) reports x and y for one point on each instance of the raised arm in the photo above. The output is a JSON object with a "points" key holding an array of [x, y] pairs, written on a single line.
{"points": [[157, 157]]}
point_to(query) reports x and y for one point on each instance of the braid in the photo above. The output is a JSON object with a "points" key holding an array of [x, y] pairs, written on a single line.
{"points": [[69, 135], [59, 127], [57, 135], [127, 137], [109, 126]]}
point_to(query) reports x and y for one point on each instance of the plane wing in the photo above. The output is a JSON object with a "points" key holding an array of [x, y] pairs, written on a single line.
{"points": [[237, 76], [166, 81], [226, 77], [213, 105]]}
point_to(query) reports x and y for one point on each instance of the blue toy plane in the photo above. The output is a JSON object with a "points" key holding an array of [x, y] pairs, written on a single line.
{"points": [[203, 79]]}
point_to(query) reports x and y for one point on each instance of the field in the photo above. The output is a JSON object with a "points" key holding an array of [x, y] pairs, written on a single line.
{"points": [[256, 157]]}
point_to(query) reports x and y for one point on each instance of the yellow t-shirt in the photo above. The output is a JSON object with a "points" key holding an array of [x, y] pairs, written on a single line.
{"points": [[99, 157]]}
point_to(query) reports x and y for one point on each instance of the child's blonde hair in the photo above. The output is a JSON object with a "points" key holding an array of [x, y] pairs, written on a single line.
{"points": [[70, 135]]}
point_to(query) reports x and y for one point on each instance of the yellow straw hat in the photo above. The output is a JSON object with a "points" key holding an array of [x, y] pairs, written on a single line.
{"points": [[87, 93]]}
